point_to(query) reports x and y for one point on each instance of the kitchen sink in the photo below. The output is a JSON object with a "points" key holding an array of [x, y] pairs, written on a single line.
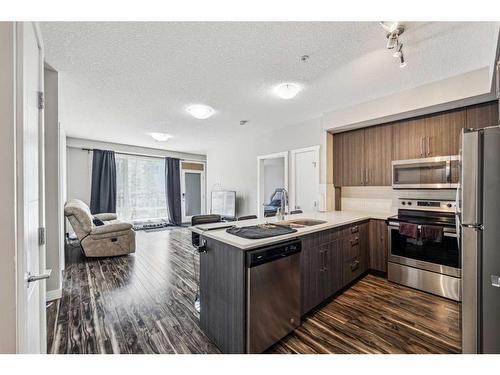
{"points": [[301, 222]]}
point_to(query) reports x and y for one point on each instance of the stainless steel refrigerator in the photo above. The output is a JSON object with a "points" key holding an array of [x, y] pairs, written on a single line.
{"points": [[479, 220]]}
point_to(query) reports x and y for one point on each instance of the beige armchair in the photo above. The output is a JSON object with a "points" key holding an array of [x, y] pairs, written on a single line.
{"points": [[113, 238]]}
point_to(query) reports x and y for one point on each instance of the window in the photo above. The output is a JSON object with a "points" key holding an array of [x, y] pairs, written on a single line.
{"points": [[140, 185]]}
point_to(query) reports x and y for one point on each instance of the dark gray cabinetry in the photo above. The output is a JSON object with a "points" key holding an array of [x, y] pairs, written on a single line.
{"points": [[330, 260], [222, 296], [355, 258]]}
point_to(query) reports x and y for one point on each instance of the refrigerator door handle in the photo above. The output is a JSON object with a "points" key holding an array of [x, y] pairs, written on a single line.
{"points": [[495, 281]]}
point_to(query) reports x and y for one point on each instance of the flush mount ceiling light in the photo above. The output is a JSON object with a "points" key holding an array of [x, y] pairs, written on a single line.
{"points": [[287, 90], [200, 111], [160, 137]]}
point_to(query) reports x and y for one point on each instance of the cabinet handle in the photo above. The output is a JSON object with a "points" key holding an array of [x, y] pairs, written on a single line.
{"points": [[362, 177], [366, 176], [323, 262], [428, 146], [355, 229], [422, 146], [355, 265], [355, 241]]}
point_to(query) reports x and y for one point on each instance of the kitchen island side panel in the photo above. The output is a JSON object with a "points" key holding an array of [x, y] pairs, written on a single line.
{"points": [[222, 296]]}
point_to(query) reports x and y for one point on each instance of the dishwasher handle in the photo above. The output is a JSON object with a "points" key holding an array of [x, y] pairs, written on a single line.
{"points": [[273, 252]]}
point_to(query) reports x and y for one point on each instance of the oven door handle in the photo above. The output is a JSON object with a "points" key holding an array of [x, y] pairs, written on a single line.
{"points": [[395, 226]]}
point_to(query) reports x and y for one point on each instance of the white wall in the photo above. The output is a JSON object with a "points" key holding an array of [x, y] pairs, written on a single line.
{"points": [[78, 174], [53, 212], [78, 162], [454, 92], [7, 190], [233, 166]]}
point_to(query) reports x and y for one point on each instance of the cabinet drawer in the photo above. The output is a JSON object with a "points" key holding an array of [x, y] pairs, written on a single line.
{"points": [[351, 248], [352, 269]]}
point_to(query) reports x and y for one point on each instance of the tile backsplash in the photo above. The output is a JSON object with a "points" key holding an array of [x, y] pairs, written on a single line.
{"points": [[385, 198], [367, 205]]}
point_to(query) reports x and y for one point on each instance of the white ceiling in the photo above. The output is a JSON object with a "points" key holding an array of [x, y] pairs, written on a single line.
{"points": [[122, 80]]}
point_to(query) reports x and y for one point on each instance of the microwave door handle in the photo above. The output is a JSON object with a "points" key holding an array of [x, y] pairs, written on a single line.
{"points": [[448, 171], [457, 211]]}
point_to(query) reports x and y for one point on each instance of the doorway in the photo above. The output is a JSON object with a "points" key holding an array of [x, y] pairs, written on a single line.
{"points": [[304, 186], [272, 175], [192, 191]]}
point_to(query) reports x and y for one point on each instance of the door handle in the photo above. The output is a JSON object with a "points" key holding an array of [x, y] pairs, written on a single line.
{"points": [[43, 276], [428, 145]]}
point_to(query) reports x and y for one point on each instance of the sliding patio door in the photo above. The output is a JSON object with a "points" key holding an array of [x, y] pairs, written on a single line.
{"points": [[140, 185]]}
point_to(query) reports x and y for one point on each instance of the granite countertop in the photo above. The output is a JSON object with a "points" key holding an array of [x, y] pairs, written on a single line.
{"points": [[332, 219]]}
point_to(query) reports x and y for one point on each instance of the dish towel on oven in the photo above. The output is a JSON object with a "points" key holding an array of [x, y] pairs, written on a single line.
{"points": [[408, 230], [432, 233]]}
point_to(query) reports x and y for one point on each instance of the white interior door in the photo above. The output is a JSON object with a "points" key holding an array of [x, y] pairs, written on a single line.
{"points": [[31, 251], [192, 193], [304, 194]]}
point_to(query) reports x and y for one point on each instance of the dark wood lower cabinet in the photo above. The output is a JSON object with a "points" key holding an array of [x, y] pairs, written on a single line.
{"points": [[330, 260], [355, 253], [332, 273], [311, 275], [378, 245], [222, 288]]}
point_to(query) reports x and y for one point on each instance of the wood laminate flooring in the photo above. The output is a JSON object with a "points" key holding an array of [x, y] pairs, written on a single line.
{"points": [[143, 303]]}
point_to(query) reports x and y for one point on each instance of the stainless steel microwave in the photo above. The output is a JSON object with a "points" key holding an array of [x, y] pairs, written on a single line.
{"points": [[440, 172]]}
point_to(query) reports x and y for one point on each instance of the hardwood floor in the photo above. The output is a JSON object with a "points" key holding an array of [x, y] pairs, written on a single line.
{"points": [[143, 303], [376, 316]]}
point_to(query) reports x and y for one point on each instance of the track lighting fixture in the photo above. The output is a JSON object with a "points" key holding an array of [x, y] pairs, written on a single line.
{"points": [[402, 62], [393, 31]]}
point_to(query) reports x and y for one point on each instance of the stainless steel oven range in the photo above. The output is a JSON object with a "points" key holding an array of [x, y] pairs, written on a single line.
{"points": [[424, 251]]}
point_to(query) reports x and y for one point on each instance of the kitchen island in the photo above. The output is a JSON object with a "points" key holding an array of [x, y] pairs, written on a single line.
{"points": [[333, 254]]}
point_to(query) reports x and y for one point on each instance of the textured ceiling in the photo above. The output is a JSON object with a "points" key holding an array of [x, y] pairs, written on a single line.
{"points": [[122, 80]]}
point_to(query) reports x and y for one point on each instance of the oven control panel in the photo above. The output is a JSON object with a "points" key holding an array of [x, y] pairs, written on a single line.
{"points": [[427, 204]]}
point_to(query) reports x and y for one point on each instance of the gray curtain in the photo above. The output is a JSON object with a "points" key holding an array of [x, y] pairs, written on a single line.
{"points": [[103, 188], [173, 190]]}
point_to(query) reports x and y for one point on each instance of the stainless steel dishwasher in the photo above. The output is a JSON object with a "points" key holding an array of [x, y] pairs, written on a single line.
{"points": [[273, 294]]}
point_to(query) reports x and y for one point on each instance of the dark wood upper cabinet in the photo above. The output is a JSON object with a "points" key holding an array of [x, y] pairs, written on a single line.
{"points": [[363, 157], [378, 155], [353, 154], [481, 115], [442, 133], [337, 159], [408, 139]]}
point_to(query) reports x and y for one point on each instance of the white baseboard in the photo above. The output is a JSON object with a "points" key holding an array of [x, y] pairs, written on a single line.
{"points": [[53, 294]]}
